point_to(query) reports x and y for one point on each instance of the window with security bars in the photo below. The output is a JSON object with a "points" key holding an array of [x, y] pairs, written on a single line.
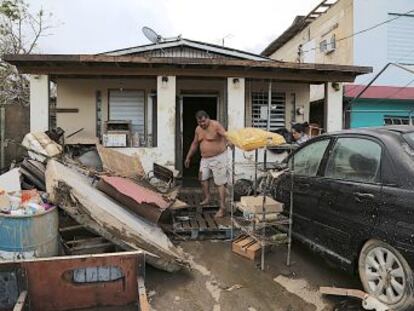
{"points": [[397, 120], [277, 111]]}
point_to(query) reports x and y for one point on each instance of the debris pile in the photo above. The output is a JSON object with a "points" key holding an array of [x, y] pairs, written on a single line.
{"points": [[102, 190]]}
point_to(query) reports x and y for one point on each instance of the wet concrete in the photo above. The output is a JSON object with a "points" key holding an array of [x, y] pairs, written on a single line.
{"points": [[221, 281]]}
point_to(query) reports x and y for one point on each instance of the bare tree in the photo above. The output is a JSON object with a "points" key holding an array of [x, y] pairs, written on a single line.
{"points": [[20, 31]]}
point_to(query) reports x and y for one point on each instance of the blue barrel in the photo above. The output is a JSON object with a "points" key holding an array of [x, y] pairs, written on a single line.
{"points": [[24, 237]]}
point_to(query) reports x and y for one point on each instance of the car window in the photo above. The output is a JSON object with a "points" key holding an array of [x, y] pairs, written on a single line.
{"points": [[308, 159], [354, 159]]}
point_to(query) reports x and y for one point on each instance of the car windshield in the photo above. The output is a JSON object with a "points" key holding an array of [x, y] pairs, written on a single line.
{"points": [[409, 138]]}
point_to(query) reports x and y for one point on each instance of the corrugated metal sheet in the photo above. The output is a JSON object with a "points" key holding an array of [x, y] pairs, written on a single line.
{"points": [[128, 105], [183, 52], [401, 39], [259, 110]]}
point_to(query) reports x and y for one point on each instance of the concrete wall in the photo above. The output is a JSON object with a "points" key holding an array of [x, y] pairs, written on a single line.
{"points": [[337, 20], [233, 98], [371, 48]]}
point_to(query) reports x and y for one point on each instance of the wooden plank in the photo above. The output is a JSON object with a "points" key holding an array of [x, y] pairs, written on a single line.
{"points": [[210, 221], [223, 223], [142, 294], [186, 225], [194, 224], [20, 301]]}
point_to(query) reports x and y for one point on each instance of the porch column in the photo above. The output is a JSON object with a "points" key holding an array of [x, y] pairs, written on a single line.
{"points": [[236, 103], [39, 103], [166, 103], [333, 107]]}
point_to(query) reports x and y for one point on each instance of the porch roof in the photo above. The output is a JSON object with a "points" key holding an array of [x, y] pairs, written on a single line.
{"points": [[106, 65]]}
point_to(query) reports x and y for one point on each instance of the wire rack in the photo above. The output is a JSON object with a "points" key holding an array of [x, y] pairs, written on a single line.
{"points": [[266, 232]]}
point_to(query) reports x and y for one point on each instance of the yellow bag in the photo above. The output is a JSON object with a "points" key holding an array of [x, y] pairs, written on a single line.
{"points": [[250, 138]]}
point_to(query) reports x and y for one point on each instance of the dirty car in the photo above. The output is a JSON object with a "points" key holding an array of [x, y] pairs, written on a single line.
{"points": [[353, 193]]}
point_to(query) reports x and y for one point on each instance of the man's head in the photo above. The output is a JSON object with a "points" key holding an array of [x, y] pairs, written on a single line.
{"points": [[203, 119]]}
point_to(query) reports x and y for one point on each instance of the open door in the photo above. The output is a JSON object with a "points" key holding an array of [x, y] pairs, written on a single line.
{"points": [[190, 105]]}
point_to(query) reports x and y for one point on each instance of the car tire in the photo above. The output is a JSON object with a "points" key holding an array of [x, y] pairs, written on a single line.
{"points": [[386, 275]]}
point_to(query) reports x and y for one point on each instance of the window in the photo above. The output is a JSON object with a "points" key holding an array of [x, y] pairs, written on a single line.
{"points": [[400, 120], [277, 111], [308, 159], [130, 105], [355, 159]]}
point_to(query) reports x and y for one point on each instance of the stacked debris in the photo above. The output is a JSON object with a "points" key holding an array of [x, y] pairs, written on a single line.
{"points": [[102, 190]]}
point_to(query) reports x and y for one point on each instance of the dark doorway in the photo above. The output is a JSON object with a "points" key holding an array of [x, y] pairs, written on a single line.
{"points": [[192, 104]]}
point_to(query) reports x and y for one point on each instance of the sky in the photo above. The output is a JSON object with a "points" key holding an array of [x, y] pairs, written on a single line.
{"points": [[93, 26]]}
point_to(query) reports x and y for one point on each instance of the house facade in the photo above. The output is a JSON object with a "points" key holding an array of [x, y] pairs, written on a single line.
{"points": [[159, 87], [353, 32]]}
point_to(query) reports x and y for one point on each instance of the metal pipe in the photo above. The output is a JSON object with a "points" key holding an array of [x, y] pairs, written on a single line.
{"points": [[292, 180], [2, 136], [233, 165]]}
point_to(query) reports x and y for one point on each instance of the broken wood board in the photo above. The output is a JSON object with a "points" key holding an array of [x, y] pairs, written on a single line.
{"points": [[90, 207], [138, 199], [121, 164]]}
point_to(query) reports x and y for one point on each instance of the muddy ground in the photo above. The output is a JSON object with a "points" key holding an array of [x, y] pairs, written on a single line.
{"points": [[223, 281]]}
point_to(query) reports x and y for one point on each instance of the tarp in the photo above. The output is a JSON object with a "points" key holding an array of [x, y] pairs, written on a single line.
{"points": [[250, 138]]}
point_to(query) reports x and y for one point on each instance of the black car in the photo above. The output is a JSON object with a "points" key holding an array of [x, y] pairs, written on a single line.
{"points": [[354, 204]]}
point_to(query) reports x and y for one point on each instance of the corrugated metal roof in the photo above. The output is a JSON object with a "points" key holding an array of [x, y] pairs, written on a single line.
{"points": [[380, 92]]}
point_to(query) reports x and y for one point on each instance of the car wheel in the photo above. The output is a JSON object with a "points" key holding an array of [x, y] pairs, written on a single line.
{"points": [[386, 275]]}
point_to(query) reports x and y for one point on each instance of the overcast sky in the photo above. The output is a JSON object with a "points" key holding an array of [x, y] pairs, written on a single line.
{"points": [[91, 26]]}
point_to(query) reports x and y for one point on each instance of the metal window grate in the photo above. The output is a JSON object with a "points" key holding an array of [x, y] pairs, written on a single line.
{"points": [[277, 111], [396, 120]]}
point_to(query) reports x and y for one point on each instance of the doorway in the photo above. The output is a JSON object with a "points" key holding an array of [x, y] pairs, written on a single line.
{"points": [[190, 105]]}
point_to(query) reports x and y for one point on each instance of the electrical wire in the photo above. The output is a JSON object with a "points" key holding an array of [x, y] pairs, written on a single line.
{"points": [[366, 30]]}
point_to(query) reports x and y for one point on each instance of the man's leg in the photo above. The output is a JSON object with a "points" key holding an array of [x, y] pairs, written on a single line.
{"points": [[204, 176], [222, 194], [206, 192]]}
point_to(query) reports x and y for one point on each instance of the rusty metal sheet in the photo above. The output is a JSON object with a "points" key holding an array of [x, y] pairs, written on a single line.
{"points": [[52, 287], [140, 200]]}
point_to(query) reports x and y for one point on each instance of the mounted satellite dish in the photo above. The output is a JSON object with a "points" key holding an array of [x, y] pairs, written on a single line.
{"points": [[151, 35]]}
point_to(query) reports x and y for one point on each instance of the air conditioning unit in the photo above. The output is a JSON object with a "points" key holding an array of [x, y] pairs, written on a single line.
{"points": [[328, 46]]}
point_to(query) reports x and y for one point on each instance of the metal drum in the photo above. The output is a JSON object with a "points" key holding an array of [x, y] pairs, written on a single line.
{"points": [[23, 237]]}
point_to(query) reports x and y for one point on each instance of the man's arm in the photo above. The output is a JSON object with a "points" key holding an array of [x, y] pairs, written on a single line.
{"points": [[220, 130], [193, 149]]}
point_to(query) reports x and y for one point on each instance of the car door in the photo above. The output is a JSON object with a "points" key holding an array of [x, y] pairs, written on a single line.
{"points": [[350, 195], [305, 163]]}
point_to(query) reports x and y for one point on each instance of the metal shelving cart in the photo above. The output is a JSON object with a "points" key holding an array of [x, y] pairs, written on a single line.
{"points": [[265, 232]]}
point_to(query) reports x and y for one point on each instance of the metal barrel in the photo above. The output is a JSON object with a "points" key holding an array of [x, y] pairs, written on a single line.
{"points": [[23, 237]]}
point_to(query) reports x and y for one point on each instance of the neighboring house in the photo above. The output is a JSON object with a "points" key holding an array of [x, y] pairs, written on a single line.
{"points": [[329, 34], [159, 87]]}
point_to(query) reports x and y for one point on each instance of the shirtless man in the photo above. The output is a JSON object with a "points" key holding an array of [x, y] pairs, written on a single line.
{"points": [[210, 136]]}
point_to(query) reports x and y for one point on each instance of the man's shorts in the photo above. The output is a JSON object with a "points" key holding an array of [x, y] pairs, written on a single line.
{"points": [[218, 166]]}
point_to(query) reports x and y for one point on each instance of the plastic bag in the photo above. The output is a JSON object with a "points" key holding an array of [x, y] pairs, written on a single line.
{"points": [[250, 138]]}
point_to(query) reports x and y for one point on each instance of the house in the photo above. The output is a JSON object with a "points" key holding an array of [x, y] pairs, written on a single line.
{"points": [[353, 32], [159, 87]]}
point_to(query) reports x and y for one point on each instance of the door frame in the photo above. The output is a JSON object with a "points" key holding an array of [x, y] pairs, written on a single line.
{"points": [[179, 152]]}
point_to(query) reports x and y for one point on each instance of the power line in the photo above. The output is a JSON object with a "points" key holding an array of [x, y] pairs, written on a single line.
{"points": [[367, 29]]}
